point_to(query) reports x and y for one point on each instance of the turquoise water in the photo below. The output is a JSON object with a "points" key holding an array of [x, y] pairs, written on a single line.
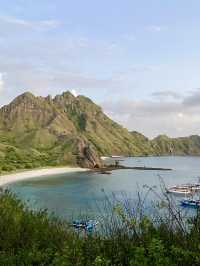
{"points": [[71, 194]]}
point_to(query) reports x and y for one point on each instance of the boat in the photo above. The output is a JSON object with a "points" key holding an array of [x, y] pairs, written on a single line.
{"points": [[104, 172], [87, 225], [104, 158], [194, 187], [185, 189], [190, 203], [179, 191]]}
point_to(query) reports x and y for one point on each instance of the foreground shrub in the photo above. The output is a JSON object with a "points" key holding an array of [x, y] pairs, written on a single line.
{"points": [[36, 238]]}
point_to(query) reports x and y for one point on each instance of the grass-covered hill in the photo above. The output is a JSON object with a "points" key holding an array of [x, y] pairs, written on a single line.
{"points": [[177, 146], [68, 130], [164, 145], [37, 131]]}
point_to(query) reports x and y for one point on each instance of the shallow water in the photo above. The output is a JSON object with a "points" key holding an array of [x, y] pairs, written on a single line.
{"points": [[71, 194]]}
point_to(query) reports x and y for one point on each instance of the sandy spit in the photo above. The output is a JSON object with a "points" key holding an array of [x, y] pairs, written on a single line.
{"points": [[24, 175]]}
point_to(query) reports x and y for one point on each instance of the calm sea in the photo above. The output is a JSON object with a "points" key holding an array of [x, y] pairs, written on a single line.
{"points": [[71, 194]]}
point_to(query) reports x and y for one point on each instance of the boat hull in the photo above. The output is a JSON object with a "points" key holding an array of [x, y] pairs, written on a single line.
{"points": [[190, 203], [179, 193]]}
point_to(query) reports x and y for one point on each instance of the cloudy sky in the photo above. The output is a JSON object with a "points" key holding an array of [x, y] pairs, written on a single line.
{"points": [[140, 60]]}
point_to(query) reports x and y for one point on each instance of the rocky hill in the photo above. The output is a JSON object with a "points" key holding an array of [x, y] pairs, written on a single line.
{"points": [[37, 131], [68, 130]]}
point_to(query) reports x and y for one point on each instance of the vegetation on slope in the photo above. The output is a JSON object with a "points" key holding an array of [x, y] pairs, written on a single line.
{"points": [[68, 130], [177, 146], [164, 145], [35, 238], [37, 131]]}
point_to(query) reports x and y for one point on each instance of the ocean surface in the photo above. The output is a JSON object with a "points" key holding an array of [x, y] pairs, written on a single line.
{"points": [[74, 194]]}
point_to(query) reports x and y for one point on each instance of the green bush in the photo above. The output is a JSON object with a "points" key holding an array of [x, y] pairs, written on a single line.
{"points": [[8, 168], [36, 238]]}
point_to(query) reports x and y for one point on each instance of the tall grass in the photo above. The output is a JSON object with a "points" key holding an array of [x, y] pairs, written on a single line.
{"points": [[126, 235]]}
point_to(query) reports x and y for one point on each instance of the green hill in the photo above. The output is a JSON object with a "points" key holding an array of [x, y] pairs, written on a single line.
{"points": [[164, 145], [68, 130]]}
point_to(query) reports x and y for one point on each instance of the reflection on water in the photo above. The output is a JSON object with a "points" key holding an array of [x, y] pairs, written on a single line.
{"points": [[75, 193]]}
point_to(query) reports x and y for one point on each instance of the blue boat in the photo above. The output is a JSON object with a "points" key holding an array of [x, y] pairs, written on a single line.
{"points": [[87, 225], [190, 203]]}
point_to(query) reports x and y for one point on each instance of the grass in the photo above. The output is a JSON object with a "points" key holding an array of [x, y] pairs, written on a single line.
{"points": [[13, 159], [127, 236]]}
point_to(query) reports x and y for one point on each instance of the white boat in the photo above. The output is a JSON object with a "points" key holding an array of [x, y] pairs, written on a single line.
{"points": [[194, 187], [104, 158], [180, 191], [185, 189]]}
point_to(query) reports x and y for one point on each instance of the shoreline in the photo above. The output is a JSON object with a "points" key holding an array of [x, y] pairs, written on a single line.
{"points": [[34, 173]]}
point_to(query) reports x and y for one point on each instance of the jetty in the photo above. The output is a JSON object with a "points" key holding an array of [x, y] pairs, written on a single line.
{"points": [[108, 168]]}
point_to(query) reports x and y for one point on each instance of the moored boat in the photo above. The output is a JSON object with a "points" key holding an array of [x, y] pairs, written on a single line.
{"points": [[104, 158], [180, 191], [87, 225], [194, 187], [185, 189], [190, 203]]}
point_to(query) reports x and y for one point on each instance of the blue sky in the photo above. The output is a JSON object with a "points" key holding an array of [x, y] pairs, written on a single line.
{"points": [[139, 59]]}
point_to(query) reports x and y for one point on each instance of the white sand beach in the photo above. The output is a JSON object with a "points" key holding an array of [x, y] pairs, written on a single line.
{"points": [[24, 175]]}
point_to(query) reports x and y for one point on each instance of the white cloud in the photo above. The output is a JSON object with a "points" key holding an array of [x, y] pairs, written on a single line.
{"points": [[180, 115], [129, 37], [143, 68], [156, 28], [41, 24], [166, 95], [174, 117], [74, 92], [1, 83]]}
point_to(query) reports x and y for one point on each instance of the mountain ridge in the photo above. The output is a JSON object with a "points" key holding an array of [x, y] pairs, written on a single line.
{"points": [[40, 131]]}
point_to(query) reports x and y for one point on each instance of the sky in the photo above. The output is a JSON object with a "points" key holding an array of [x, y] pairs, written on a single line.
{"points": [[139, 60]]}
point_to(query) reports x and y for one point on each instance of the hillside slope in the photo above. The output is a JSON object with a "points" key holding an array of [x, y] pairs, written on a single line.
{"points": [[68, 130], [163, 145], [38, 131]]}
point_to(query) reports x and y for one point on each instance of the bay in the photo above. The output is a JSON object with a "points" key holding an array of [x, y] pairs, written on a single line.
{"points": [[72, 194]]}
